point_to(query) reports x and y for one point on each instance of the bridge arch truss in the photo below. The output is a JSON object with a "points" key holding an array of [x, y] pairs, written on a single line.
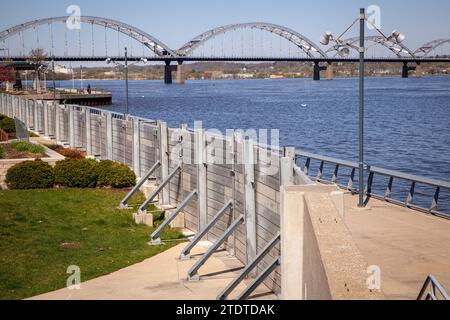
{"points": [[425, 50], [155, 45], [302, 42]]}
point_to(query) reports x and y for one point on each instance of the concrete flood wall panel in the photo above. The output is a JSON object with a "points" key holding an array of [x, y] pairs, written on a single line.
{"points": [[149, 154], [122, 141]]}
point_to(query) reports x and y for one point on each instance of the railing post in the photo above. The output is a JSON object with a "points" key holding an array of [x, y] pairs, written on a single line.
{"points": [[109, 136], [164, 158], [137, 146], [250, 206], [200, 161]]}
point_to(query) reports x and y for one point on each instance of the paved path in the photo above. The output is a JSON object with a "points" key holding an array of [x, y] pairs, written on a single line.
{"points": [[162, 277], [406, 244]]}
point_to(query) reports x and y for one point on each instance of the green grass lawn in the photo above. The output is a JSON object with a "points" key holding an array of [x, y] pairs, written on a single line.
{"points": [[34, 224]]}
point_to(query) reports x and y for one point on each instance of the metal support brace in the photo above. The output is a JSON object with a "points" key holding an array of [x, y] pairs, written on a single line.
{"points": [[88, 131], [185, 254], [164, 158], [71, 127], [193, 272], [109, 136], [252, 265], [250, 202], [137, 145], [200, 161], [46, 124], [57, 121], [155, 240], [124, 202], [36, 122], [159, 189], [255, 284]]}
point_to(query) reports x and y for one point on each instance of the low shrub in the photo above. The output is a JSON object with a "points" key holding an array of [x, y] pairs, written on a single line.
{"points": [[73, 173], [23, 146], [2, 152], [8, 125], [115, 175], [30, 175]]}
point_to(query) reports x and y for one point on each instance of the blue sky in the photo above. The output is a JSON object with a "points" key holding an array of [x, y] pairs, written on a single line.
{"points": [[176, 21]]}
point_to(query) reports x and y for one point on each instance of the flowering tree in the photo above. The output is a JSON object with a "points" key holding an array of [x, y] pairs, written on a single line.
{"points": [[6, 74]]}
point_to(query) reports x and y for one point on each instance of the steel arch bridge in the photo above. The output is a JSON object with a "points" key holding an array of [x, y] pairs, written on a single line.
{"points": [[155, 45], [302, 42], [425, 50], [397, 48]]}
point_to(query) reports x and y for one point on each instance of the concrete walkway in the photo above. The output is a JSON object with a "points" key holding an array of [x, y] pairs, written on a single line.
{"points": [[407, 245], [162, 277]]}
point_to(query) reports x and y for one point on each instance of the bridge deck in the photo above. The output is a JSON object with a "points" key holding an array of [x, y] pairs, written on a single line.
{"points": [[405, 244]]}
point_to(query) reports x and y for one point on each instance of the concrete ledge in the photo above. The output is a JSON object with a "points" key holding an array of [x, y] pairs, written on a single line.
{"points": [[143, 218], [320, 259]]}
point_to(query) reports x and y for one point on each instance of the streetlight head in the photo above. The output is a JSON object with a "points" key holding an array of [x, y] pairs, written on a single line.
{"points": [[344, 52], [325, 40], [398, 36]]}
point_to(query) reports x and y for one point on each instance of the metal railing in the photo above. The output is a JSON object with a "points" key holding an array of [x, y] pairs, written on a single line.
{"points": [[432, 289], [372, 172]]}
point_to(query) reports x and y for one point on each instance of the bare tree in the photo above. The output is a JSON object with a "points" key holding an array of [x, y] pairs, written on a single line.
{"points": [[38, 58]]}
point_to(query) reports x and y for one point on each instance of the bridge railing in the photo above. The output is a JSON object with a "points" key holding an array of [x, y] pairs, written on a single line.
{"points": [[379, 178]]}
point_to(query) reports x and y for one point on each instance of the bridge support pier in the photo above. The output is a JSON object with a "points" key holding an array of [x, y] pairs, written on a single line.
{"points": [[330, 71], [180, 73], [167, 72], [317, 69], [418, 71], [406, 69]]}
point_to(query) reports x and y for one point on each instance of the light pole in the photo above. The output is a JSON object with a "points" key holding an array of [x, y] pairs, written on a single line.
{"points": [[126, 81], [53, 80], [343, 49], [126, 65], [362, 20]]}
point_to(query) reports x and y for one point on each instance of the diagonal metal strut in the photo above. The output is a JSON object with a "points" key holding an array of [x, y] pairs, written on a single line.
{"points": [[252, 265], [155, 235], [124, 202], [186, 251], [159, 189], [255, 284], [193, 272]]}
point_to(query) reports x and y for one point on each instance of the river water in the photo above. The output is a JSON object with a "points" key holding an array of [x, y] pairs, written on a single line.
{"points": [[407, 120]]}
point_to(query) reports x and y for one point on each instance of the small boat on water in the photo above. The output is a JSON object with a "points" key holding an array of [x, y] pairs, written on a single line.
{"points": [[304, 105]]}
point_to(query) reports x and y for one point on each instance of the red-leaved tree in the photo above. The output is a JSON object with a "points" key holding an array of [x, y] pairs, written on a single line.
{"points": [[6, 74]]}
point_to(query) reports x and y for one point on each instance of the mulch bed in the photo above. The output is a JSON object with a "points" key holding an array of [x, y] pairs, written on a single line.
{"points": [[10, 153]]}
